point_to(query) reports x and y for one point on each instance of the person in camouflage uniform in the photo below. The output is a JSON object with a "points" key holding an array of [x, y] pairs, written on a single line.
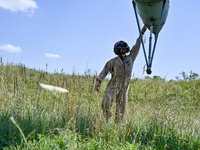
{"points": [[120, 68]]}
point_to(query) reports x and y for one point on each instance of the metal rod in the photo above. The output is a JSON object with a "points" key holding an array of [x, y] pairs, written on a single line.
{"points": [[157, 32], [150, 41], [136, 16]]}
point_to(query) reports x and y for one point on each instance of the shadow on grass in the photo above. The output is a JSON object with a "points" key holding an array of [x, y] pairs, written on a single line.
{"points": [[151, 136], [160, 137], [40, 123]]}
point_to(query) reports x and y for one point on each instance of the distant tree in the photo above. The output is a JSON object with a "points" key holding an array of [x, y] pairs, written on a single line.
{"points": [[147, 77], [191, 76], [156, 77], [184, 75]]}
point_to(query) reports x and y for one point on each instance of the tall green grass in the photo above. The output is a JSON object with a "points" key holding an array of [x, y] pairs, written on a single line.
{"points": [[160, 114]]}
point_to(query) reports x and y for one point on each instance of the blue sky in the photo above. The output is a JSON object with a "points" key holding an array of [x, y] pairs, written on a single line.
{"points": [[77, 35]]}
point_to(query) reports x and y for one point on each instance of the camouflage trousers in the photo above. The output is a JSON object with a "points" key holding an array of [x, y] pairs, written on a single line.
{"points": [[121, 96]]}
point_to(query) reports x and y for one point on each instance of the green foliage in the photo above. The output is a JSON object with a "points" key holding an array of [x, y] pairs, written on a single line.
{"points": [[191, 76], [159, 114]]}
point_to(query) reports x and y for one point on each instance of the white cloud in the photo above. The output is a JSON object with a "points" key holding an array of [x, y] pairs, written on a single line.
{"points": [[10, 48], [52, 55], [19, 5]]}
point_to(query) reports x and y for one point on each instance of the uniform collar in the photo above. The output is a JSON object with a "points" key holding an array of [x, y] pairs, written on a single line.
{"points": [[120, 60]]}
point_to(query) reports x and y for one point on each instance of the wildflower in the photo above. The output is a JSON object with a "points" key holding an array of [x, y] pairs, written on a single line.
{"points": [[87, 129], [53, 88]]}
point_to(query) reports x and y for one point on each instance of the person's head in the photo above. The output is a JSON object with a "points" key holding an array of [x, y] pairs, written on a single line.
{"points": [[121, 48]]}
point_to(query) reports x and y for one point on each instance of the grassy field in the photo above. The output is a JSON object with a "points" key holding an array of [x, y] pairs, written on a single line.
{"points": [[160, 115]]}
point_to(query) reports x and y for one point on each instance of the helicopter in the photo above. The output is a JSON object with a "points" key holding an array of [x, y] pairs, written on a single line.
{"points": [[153, 14]]}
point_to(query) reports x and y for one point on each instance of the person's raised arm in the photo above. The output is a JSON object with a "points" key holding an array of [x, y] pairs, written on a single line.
{"points": [[135, 49]]}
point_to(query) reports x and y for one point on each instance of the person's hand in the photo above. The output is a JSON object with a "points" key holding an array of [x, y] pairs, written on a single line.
{"points": [[97, 86], [143, 29]]}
